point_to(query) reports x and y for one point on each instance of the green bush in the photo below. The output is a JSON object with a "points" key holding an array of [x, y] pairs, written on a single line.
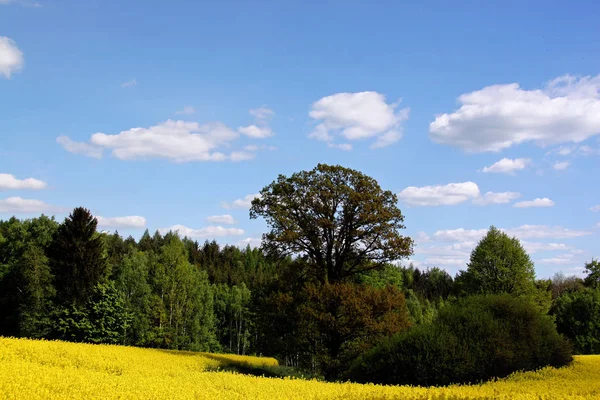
{"points": [[578, 318], [472, 340]]}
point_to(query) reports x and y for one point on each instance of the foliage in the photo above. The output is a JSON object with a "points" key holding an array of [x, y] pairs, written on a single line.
{"points": [[340, 321], [478, 338], [578, 318], [564, 284], [35, 370], [77, 258], [338, 217], [593, 274], [498, 264], [234, 318], [102, 319]]}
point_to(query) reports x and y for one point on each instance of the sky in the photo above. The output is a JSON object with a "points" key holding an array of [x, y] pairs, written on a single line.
{"points": [[173, 115]]}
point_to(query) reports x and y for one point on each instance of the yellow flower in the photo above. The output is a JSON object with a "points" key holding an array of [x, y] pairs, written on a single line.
{"points": [[37, 369]]}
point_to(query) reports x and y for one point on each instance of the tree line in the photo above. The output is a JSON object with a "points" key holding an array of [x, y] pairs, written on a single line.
{"points": [[322, 294]]}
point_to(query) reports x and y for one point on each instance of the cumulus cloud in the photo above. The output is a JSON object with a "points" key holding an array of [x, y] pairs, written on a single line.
{"points": [[74, 147], [9, 182], [260, 129], [535, 247], [545, 202], [450, 194], [205, 233], [508, 166], [497, 117], [595, 208], [452, 247], [496, 198], [262, 113], [11, 57], [18, 205], [187, 110], [522, 232], [177, 141], [244, 202], [252, 241], [129, 84], [256, 132], [455, 254], [560, 166], [358, 116], [131, 221], [221, 219]]}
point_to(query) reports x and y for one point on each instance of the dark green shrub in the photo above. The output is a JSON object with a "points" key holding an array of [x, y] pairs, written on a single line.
{"points": [[475, 339], [578, 318]]}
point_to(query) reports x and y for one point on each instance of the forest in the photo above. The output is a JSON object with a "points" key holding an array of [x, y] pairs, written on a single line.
{"points": [[326, 294]]}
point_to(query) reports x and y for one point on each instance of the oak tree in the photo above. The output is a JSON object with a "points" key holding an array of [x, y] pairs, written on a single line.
{"points": [[338, 217]]}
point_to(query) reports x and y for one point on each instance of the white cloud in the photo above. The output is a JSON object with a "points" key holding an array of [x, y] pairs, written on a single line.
{"points": [[9, 182], [262, 113], [545, 232], [11, 58], [128, 84], [256, 132], [422, 237], [459, 235], [237, 156], [508, 166], [18, 205], [221, 219], [576, 150], [496, 198], [386, 139], [595, 208], [522, 232], [245, 202], [341, 146], [260, 129], [85, 149], [559, 166], [545, 202], [357, 116], [177, 141], [131, 221], [453, 247], [560, 260], [450, 194], [446, 255], [252, 241], [535, 247], [497, 117], [187, 110], [207, 232]]}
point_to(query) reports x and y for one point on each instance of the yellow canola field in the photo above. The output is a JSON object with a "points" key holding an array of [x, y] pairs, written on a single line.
{"points": [[31, 369]]}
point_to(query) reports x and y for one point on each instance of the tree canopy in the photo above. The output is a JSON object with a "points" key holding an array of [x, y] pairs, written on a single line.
{"points": [[498, 264], [77, 257], [338, 217]]}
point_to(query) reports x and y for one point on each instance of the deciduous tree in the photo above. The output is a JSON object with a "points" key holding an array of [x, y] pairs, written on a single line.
{"points": [[339, 218]]}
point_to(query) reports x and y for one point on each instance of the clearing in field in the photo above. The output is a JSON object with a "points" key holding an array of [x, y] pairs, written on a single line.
{"points": [[31, 369]]}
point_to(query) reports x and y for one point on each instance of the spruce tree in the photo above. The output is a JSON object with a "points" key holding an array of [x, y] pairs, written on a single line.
{"points": [[78, 261]]}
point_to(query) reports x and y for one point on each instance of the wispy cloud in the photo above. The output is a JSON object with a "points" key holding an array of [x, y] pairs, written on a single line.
{"points": [[130, 83]]}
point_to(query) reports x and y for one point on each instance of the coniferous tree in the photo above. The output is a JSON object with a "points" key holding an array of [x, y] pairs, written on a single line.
{"points": [[77, 258]]}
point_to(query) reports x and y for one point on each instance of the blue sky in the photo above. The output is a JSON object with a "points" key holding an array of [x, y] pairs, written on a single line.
{"points": [[161, 114]]}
